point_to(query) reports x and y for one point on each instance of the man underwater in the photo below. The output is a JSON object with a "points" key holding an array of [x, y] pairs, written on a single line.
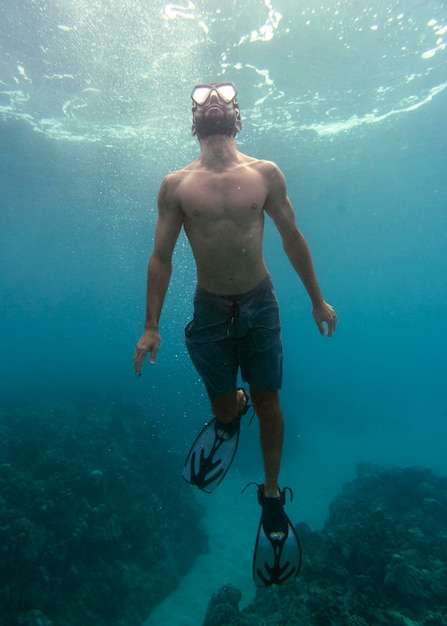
{"points": [[221, 200]]}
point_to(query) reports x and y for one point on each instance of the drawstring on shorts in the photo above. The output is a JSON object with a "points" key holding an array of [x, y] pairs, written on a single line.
{"points": [[232, 316]]}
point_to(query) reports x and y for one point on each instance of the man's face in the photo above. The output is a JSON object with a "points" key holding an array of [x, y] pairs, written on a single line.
{"points": [[216, 111]]}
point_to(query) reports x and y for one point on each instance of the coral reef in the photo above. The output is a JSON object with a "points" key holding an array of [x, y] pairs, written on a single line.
{"points": [[223, 607], [380, 560], [96, 527]]}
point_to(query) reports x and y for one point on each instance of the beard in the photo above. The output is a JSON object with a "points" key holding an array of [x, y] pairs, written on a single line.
{"points": [[206, 126]]}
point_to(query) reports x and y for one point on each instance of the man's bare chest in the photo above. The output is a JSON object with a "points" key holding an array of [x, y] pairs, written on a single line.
{"points": [[223, 194]]}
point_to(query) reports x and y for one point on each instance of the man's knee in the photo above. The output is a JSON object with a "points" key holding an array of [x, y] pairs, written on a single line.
{"points": [[266, 404]]}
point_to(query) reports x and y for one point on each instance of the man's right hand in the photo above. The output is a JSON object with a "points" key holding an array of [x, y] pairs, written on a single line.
{"points": [[149, 342]]}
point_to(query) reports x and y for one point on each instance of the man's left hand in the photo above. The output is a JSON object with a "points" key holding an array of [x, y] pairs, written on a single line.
{"points": [[323, 313]]}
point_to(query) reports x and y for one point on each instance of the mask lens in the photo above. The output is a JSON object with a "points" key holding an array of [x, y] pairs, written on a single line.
{"points": [[227, 92], [201, 94]]}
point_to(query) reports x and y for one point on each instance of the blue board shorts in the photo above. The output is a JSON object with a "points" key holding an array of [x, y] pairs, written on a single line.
{"points": [[243, 332]]}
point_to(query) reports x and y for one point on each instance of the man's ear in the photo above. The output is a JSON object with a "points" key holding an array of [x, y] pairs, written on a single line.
{"points": [[193, 130], [238, 127]]}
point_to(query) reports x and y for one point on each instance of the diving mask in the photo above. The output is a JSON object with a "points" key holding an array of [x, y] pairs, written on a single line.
{"points": [[225, 91]]}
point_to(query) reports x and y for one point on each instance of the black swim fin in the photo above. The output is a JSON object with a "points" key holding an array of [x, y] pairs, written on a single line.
{"points": [[213, 452], [211, 455], [277, 554]]}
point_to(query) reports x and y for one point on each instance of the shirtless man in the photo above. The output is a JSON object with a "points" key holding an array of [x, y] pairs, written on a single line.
{"points": [[221, 200]]}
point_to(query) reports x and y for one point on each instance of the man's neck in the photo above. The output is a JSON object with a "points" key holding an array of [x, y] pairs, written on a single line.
{"points": [[218, 151]]}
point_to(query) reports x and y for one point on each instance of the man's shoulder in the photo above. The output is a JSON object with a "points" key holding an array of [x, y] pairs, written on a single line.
{"points": [[272, 176], [174, 179], [177, 176], [262, 165], [270, 173]]}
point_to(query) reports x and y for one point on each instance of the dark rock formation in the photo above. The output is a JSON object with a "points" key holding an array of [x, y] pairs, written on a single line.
{"points": [[96, 525], [380, 560]]}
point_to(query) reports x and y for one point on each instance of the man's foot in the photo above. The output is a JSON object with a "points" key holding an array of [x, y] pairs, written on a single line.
{"points": [[243, 402], [274, 518]]}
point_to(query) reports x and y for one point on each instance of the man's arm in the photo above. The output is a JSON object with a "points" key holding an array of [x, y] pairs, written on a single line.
{"points": [[168, 227], [279, 208]]}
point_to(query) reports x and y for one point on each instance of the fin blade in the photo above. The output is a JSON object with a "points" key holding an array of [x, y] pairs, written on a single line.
{"points": [[210, 458], [276, 562]]}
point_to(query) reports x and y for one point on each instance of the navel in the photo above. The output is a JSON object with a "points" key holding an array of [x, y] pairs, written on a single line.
{"points": [[196, 212]]}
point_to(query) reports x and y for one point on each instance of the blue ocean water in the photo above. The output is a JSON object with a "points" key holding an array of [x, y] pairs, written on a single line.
{"points": [[349, 101]]}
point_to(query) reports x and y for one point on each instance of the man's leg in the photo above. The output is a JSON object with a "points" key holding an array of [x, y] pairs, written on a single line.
{"points": [[227, 406], [277, 555], [271, 424]]}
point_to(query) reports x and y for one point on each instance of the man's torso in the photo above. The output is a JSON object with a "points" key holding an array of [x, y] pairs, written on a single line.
{"points": [[223, 219]]}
